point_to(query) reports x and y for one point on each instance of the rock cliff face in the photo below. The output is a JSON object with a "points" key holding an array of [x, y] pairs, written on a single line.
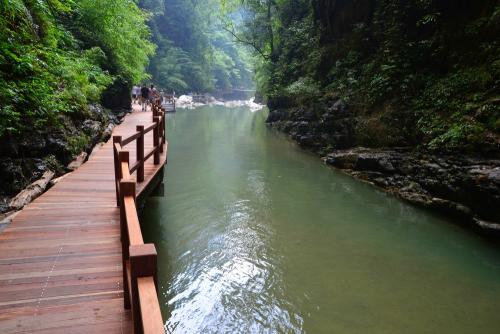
{"points": [[466, 188], [403, 94], [317, 128]]}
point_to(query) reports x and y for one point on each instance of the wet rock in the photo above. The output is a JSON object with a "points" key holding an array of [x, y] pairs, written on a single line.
{"points": [[467, 188], [32, 145], [344, 160], [451, 208], [302, 127], [495, 227], [31, 192], [375, 161], [307, 140], [16, 174], [494, 175], [11, 175], [56, 144], [4, 204], [308, 115], [117, 95], [339, 109], [91, 127], [120, 115], [9, 148], [97, 112]]}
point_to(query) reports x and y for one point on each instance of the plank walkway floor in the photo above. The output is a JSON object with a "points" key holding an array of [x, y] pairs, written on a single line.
{"points": [[60, 258]]}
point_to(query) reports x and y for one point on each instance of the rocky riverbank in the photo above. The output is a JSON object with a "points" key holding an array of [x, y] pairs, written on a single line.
{"points": [[25, 162], [467, 188]]}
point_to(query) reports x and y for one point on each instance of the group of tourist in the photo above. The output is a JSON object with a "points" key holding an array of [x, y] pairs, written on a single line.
{"points": [[144, 95]]}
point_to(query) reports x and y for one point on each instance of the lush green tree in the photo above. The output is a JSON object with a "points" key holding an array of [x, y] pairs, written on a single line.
{"points": [[56, 56], [118, 27], [194, 52], [421, 71]]}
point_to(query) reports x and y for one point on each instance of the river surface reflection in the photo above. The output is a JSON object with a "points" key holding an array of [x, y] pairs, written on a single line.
{"points": [[255, 235]]}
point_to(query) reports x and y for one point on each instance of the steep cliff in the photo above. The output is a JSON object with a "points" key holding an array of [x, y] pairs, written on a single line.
{"points": [[415, 80]]}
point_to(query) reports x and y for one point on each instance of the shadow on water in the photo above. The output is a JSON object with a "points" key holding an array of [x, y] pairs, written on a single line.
{"points": [[255, 235]]}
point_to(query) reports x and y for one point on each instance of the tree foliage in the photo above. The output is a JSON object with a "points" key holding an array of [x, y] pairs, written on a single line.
{"points": [[426, 71], [56, 56], [194, 52]]}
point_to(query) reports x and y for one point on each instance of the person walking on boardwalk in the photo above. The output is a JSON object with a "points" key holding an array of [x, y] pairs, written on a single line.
{"points": [[136, 91], [153, 94], [144, 97]]}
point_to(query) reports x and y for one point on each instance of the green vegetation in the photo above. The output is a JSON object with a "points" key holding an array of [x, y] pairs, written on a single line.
{"points": [[420, 72], [57, 56], [194, 52], [423, 72]]}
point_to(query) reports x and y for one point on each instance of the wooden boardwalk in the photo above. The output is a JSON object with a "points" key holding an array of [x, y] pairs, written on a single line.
{"points": [[61, 257]]}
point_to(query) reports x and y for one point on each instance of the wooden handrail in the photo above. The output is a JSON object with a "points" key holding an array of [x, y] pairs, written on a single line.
{"points": [[130, 139], [138, 259], [136, 135], [133, 227], [146, 286], [149, 128]]}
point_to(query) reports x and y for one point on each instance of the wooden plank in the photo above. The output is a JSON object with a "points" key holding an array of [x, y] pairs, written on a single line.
{"points": [[60, 258]]}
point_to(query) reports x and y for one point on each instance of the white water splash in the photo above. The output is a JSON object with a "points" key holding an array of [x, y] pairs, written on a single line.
{"points": [[186, 102]]}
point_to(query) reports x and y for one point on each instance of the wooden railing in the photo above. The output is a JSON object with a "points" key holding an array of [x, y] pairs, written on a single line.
{"points": [[139, 259]]}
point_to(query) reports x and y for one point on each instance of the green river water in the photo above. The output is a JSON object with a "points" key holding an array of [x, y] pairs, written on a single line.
{"points": [[254, 235]]}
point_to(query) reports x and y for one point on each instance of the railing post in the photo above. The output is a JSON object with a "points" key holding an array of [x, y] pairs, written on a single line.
{"points": [[142, 264], [160, 131], [117, 140], [140, 153], [156, 140], [127, 188]]}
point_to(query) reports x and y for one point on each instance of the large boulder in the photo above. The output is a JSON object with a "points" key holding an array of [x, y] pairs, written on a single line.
{"points": [[118, 96]]}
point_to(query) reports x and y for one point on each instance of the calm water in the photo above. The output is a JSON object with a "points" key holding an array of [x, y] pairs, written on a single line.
{"points": [[256, 236]]}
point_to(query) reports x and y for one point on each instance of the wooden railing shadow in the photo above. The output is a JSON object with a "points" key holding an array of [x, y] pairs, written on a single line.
{"points": [[139, 260]]}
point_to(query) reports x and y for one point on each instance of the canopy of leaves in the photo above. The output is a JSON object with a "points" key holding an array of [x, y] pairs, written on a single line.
{"points": [[194, 52], [56, 56]]}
